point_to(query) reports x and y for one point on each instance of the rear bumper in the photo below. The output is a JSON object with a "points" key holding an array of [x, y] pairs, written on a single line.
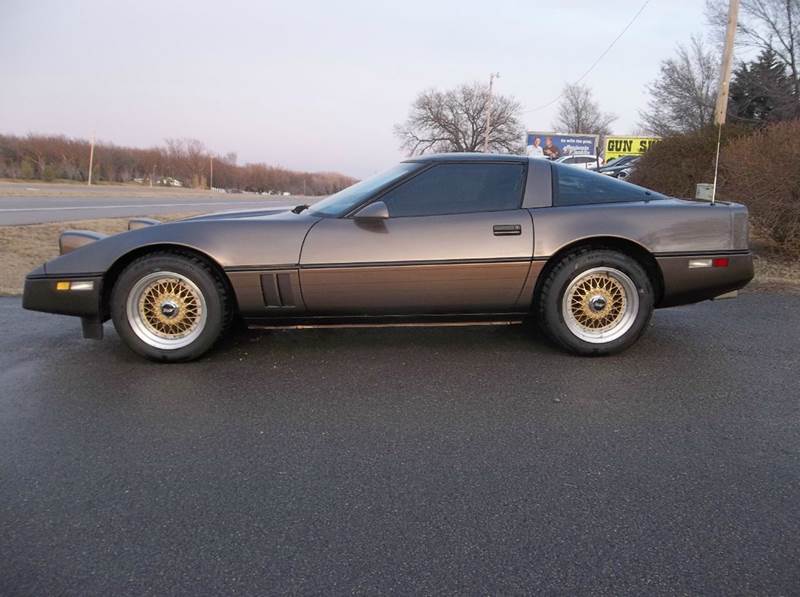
{"points": [[41, 294], [684, 285]]}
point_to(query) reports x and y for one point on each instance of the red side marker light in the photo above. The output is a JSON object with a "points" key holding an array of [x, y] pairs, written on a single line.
{"points": [[720, 262]]}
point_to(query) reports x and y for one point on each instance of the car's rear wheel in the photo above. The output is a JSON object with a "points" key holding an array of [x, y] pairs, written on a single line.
{"points": [[170, 307], [595, 302]]}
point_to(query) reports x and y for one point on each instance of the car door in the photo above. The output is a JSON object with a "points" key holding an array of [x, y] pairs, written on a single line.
{"points": [[456, 241]]}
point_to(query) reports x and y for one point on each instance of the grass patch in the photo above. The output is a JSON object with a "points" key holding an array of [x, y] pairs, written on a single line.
{"points": [[776, 275], [775, 268], [23, 248]]}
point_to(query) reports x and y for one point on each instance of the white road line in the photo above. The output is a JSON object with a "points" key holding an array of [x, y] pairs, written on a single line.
{"points": [[136, 205]]}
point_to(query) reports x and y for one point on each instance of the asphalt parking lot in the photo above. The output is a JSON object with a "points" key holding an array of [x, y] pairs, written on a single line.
{"points": [[437, 461]]}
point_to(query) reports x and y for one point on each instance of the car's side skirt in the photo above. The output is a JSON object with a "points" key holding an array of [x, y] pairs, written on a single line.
{"points": [[414, 320]]}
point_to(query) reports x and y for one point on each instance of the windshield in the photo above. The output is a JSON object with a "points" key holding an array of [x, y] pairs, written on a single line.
{"points": [[342, 202]]}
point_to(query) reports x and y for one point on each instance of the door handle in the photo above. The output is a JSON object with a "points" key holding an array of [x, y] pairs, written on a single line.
{"points": [[507, 229]]}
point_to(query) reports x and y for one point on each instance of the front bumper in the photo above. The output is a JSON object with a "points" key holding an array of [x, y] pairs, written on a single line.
{"points": [[41, 294], [684, 285]]}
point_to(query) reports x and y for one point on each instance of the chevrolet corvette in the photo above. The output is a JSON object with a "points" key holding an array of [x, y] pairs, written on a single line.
{"points": [[436, 240]]}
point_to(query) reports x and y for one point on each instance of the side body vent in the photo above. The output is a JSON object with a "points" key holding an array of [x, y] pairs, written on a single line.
{"points": [[267, 292], [280, 289]]}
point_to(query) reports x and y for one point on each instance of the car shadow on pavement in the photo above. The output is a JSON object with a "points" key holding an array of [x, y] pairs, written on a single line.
{"points": [[486, 343]]}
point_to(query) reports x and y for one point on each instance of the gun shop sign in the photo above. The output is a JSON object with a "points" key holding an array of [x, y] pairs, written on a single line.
{"points": [[620, 146]]}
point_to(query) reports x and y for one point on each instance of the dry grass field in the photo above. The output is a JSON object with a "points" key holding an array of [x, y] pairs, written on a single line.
{"points": [[23, 248], [775, 268]]}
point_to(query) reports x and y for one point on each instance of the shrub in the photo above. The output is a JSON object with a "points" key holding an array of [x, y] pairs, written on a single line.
{"points": [[49, 173], [676, 164], [26, 169], [762, 170]]}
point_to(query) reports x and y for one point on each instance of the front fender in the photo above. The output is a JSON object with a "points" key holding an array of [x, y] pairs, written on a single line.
{"points": [[230, 243]]}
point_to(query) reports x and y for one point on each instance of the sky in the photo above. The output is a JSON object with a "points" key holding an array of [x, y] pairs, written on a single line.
{"points": [[312, 85]]}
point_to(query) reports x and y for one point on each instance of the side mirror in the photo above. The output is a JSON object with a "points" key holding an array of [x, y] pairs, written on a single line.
{"points": [[373, 211]]}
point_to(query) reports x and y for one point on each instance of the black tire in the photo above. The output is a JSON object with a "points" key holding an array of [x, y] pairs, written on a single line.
{"points": [[218, 307], [551, 308]]}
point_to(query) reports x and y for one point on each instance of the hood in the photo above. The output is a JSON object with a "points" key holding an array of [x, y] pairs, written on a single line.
{"points": [[240, 214]]}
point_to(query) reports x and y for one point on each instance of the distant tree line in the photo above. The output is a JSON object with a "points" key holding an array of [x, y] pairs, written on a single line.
{"points": [[56, 157]]}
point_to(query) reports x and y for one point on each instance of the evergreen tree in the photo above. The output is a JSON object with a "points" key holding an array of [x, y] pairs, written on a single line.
{"points": [[761, 91]]}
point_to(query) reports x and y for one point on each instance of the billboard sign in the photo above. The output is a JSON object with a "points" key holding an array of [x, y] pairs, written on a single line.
{"points": [[556, 145], [620, 146]]}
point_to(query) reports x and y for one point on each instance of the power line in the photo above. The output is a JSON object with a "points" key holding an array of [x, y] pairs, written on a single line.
{"points": [[596, 62]]}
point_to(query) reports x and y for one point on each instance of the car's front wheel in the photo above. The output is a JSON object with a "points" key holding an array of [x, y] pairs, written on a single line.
{"points": [[595, 302], [170, 307]]}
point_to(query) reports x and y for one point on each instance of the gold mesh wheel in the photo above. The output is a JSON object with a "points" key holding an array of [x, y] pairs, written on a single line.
{"points": [[597, 301], [167, 310], [600, 305]]}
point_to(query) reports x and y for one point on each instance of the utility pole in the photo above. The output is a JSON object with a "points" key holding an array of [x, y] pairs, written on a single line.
{"points": [[492, 77], [721, 110], [210, 172], [91, 161]]}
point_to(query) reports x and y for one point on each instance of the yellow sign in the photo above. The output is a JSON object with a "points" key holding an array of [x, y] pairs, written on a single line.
{"points": [[619, 146]]}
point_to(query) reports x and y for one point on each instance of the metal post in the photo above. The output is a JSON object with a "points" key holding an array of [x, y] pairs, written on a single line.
{"points": [[716, 166], [489, 112], [91, 161], [211, 173]]}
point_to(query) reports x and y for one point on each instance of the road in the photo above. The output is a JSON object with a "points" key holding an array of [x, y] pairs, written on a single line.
{"points": [[42, 209], [410, 461]]}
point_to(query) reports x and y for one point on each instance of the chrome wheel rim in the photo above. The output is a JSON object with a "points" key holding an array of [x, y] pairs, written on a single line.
{"points": [[600, 305], [166, 310]]}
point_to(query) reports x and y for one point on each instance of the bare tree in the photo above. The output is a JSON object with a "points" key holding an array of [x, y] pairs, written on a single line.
{"points": [[188, 161], [768, 25], [578, 112], [455, 120], [682, 98], [197, 160]]}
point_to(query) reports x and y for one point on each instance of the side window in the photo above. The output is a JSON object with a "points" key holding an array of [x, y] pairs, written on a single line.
{"points": [[458, 188], [577, 186]]}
